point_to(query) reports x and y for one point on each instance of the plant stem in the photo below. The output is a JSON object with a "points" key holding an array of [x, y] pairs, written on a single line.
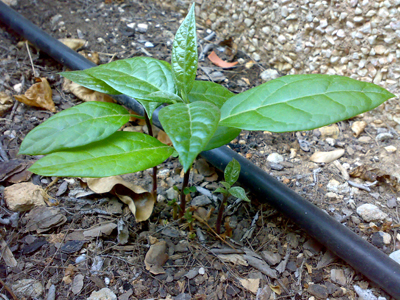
{"points": [[183, 196], [150, 131], [220, 213]]}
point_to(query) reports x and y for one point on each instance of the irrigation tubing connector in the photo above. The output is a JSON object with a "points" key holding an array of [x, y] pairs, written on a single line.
{"points": [[358, 253]]}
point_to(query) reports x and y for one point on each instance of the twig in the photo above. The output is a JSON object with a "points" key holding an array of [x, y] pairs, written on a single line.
{"points": [[8, 290], [30, 57], [212, 230]]}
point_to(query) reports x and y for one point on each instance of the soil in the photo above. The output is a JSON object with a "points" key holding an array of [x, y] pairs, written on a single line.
{"points": [[308, 264]]}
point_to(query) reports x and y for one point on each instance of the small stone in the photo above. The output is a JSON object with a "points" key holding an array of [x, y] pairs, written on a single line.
{"points": [[271, 258], [202, 271], [18, 88], [386, 237], [148, 45], [172, 194], [276, 167], [334, 186], [183, 296], [340, 33], [391, 149], [103, 294], [327, 157], [275, 158], [192, 273], [380, 49], [370, 212], [319, 291], [182, 246], [269, 74], [385, 136], [23, 196], [201, 200], [142, 27], [377, 240], [395, 256], [248, 22]]}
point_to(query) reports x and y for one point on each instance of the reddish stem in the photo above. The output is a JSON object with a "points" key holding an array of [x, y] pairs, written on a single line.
{"points": [[183, 196], [150, 132], [220, 214]]}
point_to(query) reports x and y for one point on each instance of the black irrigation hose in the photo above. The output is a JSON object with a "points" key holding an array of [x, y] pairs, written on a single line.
{"points": [[358, 253]]}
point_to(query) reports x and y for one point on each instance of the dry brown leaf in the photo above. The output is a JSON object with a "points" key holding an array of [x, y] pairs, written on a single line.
{"points": [[358, 127], [236, 259], [156, 257], [38, 95], [99, 231], [15, 170], [7, 254], [91, 55], [331, 131], [375, 174], [139, 201], [84, 93], [74, 44], [251, 284], [6, 102], [276, 289], [327, 157], [231, 47], [164, 138], [44, 218], [69, 272], [219, 62]]}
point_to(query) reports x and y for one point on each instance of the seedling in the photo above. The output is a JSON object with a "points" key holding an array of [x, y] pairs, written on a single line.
{"points": [[231, 175], [84, 141]]}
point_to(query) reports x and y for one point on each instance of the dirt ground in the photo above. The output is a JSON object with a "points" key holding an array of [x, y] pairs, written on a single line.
{"points": [[199, 266]]}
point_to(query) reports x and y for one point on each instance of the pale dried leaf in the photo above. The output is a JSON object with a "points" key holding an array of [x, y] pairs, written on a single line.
{"points": [[331, 131], [99, 231], [358, 127], [91, 55], [6, 102], [327, 157], [256, 261], [139, 201], [77, 284], [164, 138], [7, 254], [251, 284], [74, 44], [156, 257], [84, 93], [236, 259], [38, 95]]}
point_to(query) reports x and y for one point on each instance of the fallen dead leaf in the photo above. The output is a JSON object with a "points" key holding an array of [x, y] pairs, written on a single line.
{"points": [[6, 102], [44, 218], [213, 57], [84, 93], [15, 170], [236, 259], [91, 55], [156, 257], [77, 284], [99, 231], [276, 289], [7, 254], [375, 174], [251, 284], [327, 157], [164, 138], [331, 131], [69, 272], [231, 47], [358, 127], [139, 201], [38, 95], [73, 44], [23, 196]]}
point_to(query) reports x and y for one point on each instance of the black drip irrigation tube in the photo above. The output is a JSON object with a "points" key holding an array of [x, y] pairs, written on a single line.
{"points": [[358, 253]]}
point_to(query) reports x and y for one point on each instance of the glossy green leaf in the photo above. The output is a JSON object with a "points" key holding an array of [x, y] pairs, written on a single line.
{"points": [[164, 97], [190, 127], [226, 185], [210, 92], [74, 127], [90, 82], [221, 190], [239, 193], [301, 102], [138, 77], [232, 171], [124, 152], [184, 54], [222, 136]]}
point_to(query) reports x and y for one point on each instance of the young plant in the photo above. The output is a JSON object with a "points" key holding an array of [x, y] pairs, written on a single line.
{"points": [[84, 141], [231, 175]]}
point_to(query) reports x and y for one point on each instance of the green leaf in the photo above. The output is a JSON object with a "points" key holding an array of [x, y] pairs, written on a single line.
{"points": [[121, 153], [222, 136], [164, 97], [184, 54], [137, 77], [239, 193], [90, 82], [226, 185], [301, 102], [232, 171], [77, 126], [221, 190], [190, 127], [210, 92]]}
